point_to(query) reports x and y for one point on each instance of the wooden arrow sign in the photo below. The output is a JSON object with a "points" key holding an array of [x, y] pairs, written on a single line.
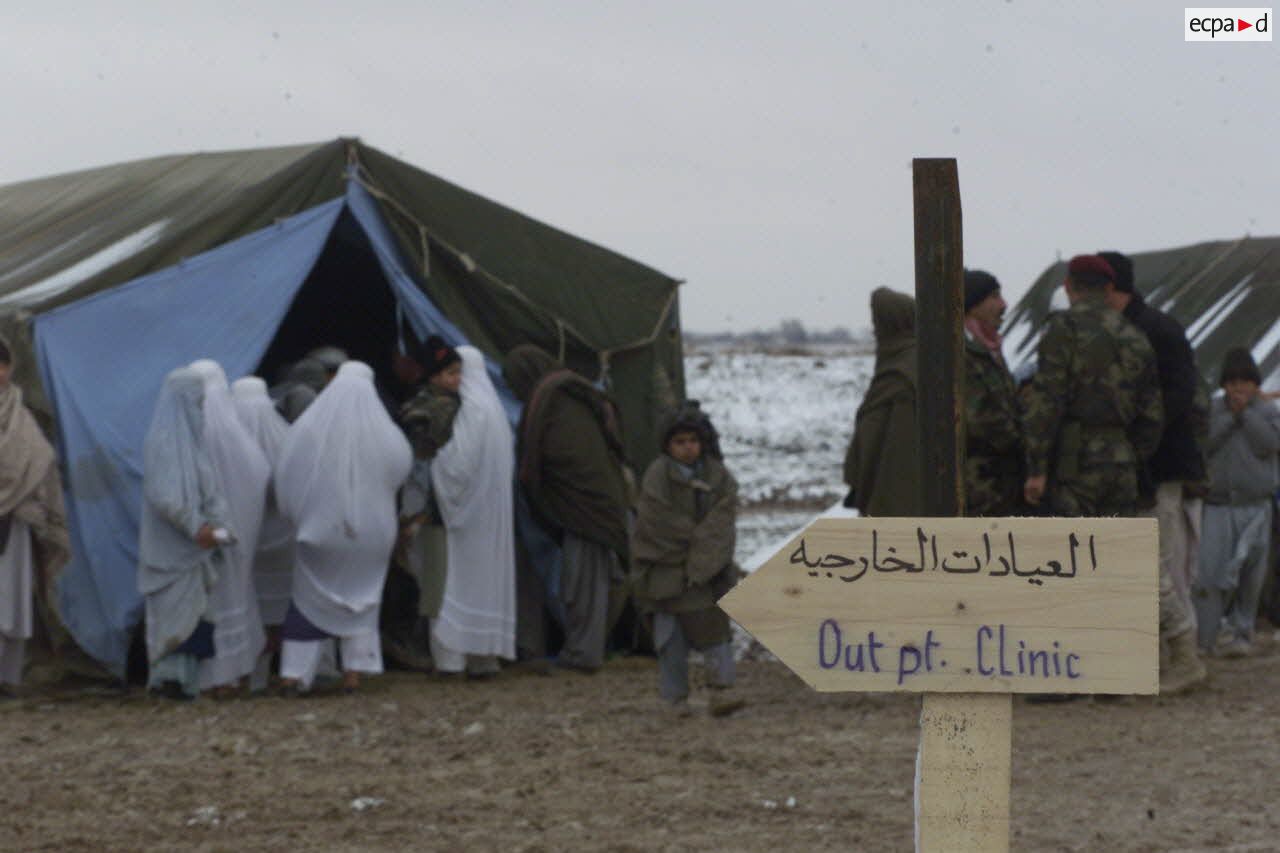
{"points": [[961, 605]]}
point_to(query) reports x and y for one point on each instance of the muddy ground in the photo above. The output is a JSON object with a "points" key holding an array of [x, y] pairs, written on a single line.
{"points": [[569, 762]]}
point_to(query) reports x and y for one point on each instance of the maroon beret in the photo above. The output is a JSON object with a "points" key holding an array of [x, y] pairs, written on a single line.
{"points": [[1091, 264]]}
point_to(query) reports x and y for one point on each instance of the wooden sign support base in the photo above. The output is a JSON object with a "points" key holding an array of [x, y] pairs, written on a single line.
{"points": [[963, 772]]}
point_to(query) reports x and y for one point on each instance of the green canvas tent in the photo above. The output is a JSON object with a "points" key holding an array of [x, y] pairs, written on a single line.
{"points": [[501, 277], [112, 276], [1226, 294]]}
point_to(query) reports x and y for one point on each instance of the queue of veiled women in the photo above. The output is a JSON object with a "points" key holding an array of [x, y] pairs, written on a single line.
{"points": [[282, 529]]}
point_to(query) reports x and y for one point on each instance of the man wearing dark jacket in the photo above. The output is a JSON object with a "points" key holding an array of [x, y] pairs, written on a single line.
{"points": [[880, 466], [1177, 462], [993, 465], [572, 470]]}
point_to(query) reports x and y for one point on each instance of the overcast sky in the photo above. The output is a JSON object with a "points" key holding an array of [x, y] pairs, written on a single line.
{"points": [[759, 151]]}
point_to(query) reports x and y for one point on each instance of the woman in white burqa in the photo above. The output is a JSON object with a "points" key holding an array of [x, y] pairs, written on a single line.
{"points": [[178, 555], [243, 473], [273, 560], [336, 480], [472, 477]]}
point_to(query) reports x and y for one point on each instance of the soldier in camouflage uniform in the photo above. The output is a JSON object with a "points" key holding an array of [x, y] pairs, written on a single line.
{"points": [[1093, 411], [992, 418]]}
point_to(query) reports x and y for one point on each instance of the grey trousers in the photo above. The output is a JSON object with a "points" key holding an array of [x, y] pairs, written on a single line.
{"points": [[584, 590], [1233, 566], [673, 659]]}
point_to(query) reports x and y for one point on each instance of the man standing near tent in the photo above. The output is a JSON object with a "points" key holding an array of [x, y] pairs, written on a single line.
{"points": [[34, 544], [1177, 465], [1093, 411], [572, 469], [992, 418], [880, 466], [336, 480]]}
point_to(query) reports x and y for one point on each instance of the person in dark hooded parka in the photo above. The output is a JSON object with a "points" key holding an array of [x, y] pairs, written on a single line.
{"points": [[881, 464], [572, 470]]}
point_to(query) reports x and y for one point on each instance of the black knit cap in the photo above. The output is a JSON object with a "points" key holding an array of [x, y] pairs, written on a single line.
{"points": [[689, 417], [435, 355], [978, 285], [683, 420], [1123, 268], [1238, 363]]}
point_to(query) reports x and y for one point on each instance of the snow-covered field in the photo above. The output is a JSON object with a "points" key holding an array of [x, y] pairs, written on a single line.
{"points": [[784, 422]]}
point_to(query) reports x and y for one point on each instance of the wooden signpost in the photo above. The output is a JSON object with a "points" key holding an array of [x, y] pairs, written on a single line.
{"points": [[965, 611], [961, 605]]}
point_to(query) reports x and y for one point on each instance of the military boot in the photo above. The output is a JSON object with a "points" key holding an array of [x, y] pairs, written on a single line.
{"points": [[1184, 671]]}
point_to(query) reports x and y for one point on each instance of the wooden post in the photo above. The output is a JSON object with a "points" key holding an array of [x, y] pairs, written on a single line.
{"points": [[963, 766], [939, 317]]}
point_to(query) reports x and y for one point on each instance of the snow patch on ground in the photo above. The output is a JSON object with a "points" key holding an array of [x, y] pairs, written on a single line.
{"points": [[784, 422]]}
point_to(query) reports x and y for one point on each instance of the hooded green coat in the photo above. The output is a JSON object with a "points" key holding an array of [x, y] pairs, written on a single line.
{"points": [[882, 463], [683, 545], [571, 464]]}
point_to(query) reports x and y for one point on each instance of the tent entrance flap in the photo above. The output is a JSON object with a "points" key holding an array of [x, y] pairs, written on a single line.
{"points": [[345, 302]]}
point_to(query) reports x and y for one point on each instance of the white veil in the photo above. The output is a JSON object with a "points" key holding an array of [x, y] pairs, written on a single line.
{"points": [[273, 559], [259, 416], [336, 480], [473, 478], [243, 473]]}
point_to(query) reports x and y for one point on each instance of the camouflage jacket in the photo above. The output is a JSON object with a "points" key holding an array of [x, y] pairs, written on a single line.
{"points": [[1095, 399], [427, 420], [993, 468]]}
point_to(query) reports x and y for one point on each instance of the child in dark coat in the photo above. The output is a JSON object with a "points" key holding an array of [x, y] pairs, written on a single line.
{"points": [[683, 551]]}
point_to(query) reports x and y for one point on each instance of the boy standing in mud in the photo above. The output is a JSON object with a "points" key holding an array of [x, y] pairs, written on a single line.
{"points": [[683, 551]]}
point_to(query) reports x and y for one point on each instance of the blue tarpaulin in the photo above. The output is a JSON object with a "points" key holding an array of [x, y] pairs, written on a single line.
{"points": [[104, 358]]}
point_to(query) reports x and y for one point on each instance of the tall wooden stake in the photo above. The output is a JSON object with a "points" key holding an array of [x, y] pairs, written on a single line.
{"points": [[939, 320], [963, 766]]}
